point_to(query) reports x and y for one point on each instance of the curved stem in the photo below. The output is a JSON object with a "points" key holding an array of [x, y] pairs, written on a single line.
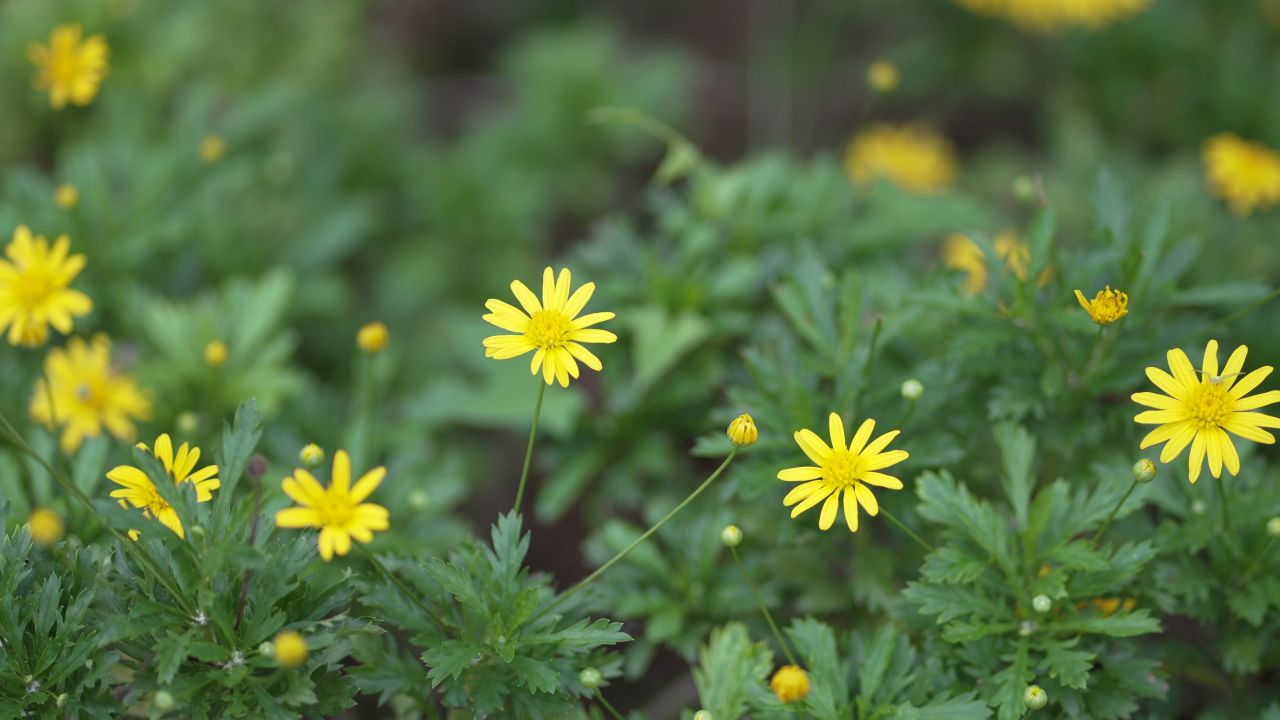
{"points": [[404, 589], [612, 710], [919, 540], [764, 610], [1107, 523], [528, 452]]}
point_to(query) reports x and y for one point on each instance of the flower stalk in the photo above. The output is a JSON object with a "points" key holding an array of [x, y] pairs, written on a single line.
{"points": [[528, 451]]}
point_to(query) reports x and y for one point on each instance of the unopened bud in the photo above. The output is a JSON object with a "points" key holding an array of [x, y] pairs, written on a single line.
{"points": [[188, 423], [1273, 527], [311, 455], [61, 700], [912, 389], [1027, 627], [731, 536], [1023, 188], [419, 500], [257, 466], [590, 678], [1035, 697], [1198, 507], [742, 431], [1144, 471], [163, 700], [702, 715], [1041, 603]]}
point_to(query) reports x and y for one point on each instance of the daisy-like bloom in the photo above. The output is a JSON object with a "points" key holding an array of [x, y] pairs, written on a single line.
{"points": [[338, 510], [88, 394], [959, 252], [1203, 406], [138, 490], [909, 156], [553, 329], [1051, 15], [46, 526], [70, 67], [33, 288], [1106, 307], [842, 470], [212, 148], [1243, 173], [790, 684]]}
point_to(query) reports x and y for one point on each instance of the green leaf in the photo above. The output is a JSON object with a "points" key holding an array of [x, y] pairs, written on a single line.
{"points": [[171, 650], [449, 658], [535, 675], [1011, 683], [1017, 450], [1067, 666], [1121, 624], [1250, 602], [661, 339], [829, 685], [946, 502], [951, 602], [238, 442], [731, 670], [951, 565]]}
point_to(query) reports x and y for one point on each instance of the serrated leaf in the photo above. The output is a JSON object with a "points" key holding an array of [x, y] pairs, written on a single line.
{"points": [[1069, 667], [535, 675], [946, 502], [952, 566], [730, 670], [450, 658], [1017, 451], [951, 602], [171, 650], [1121, 624], [1011, 683]]}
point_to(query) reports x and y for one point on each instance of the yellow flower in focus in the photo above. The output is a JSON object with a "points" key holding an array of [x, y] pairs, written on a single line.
{"points": [[790, 684], [33, 288], [1243, 173], [88, 394], [70, 67], [140, 492], [1203, 406], [552, 329], [212, 148], [909, 156], [882, 76], [842, 469], [373, 337], [1106, 307], [66, 196], [215, 353], [289, 649], [338, 510], [742, 431], [1051, 15], [46, 526]]}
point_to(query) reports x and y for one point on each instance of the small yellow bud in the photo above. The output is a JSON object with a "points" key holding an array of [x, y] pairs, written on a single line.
{"points": [[1035, 697], [215, 353], [290, 649], [373, 338], [212, 148], [882, 76], [790, 683], [702, 715], [742, 431], [1106, 307], [311, 455], [1144, 471], [912, 389], [188, 422], [46, 526], [590, 678], [1024, 188], [66, 196], [731, 536], [1273, 527]]}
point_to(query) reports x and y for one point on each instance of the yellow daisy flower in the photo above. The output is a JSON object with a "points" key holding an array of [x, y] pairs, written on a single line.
{"points": [[70, 67], [1051, 15], [1243, 173], [909, 156], [88, 394], [1106, 307], [339, 510], [33, 288], [1203, 406], [959, 252], [138, 490], [841, 469], [551, 328]]}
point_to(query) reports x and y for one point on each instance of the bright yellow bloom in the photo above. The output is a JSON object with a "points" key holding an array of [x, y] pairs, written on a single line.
{"points": [[140, 492], [1201, 408], [33, 288], [790, 683], [289, 649], [1050, 15], [742, 431], [1243, 173], [215, 353], [1106, 307], [841, 469], [882, 76], [373, 337], [46, 526], [339, 510], [212, 148], [69, 67], [909, 156], [959, 252], [66, 196], [551, 328], [88, 394]]}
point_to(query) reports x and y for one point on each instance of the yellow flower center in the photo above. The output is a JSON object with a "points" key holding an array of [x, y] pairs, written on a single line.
{"points": [[843, 468], [32, 289], [548, 328], [153, 500], [335, 511], [1210, 405]]}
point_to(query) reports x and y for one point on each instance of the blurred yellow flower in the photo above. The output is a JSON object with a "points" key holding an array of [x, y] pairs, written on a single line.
{"points": [[66, 196], [212, 148], [1050, 15], [742, 431], [339, 510], [1106, 307], [842, 469], [88, 394], [373, 337], [1201, 408], [790, 684], [70, 67], [959, 252], [909, 156], [882, 76], [46, 526], [1245, 174], [33, 288], [140, 492], [551, 328], [289, 649], [215, 353]]}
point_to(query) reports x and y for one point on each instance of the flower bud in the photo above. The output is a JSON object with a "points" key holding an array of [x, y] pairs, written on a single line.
{"points": [[46, 526], [212, 148], [1035, 697], [702, 715], [311, 455], [257, 466], [1273, 527], [912, 389], [290, 649], [188, 423], [66, 197], [198, 532], [1144, 471], [790, 684], [419, 500], [163, 700], [1198, 507], [1027, 627], [590, 678], [742, 431], [215, 353], [731, 536], [882, 76], [61, 700], [373, 338], [266, 649], [1041, 603], [1023, 188]]}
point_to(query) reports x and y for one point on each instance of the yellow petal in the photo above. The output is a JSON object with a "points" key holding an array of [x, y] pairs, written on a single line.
{"points": [[812, 445], [829, 509], [814, 498], [796, 474], [835, 426], [340, 481], [527, 299], [800, 492], [297, 517], [860, 438], [367, 484], [881, 480], [1210, 363], [866, 499], [850, 510]]}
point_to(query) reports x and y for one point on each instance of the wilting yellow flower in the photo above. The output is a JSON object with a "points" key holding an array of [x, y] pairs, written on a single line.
{"points": [[88, 394], [790, 683], [339, 510], [1106, 307], [1243, 173], [215, 353], [69, 67], [373, 337], [909, 156], [140, 492], [33, 288], [742, 431], [1201, 408], [551, 328], [66, 196], [1049, 15], [840, 469], [212, 148], [46, 526], [289, 649], [882, 76], [959, 252]]}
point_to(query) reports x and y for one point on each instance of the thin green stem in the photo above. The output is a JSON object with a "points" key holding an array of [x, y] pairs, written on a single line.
{"points": [[1112, 516], [404, 589], [528, 452], [764, 610], [612, 710], [919, 540], [1222, 504], [636, 543]]}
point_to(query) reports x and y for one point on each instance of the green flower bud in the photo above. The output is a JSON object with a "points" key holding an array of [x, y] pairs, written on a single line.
{"points": [[61, 700], [1041, 603], [419, 500], [163, 700], [1027, 627], [311, 455], [1198, 507], [266, 649], [1144, 471], [590, 678], [702, 715], [1273, 527], [731, 536], [1035, 697], [912, 389], [1023, 188]]}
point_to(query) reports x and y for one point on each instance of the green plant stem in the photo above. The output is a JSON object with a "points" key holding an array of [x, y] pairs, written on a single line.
{"points": [[404, 589], [1245, 310], [919, 540], [1112, 515], [528, 452], [636, 543], [1222, 504], [764, 610], [612, 710]]}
